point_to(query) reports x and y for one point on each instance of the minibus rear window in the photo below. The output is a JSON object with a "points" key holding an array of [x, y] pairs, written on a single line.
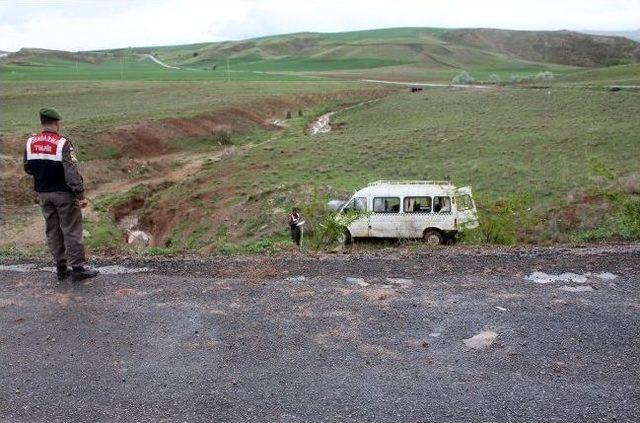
{"points": [[386, 205], [464, 202], [417, 204]]}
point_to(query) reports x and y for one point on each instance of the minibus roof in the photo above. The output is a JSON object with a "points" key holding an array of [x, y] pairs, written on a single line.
{"points": [[408, 188]]}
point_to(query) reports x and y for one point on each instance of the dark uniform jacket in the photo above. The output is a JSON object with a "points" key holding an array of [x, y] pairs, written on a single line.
{"points": [[49, 157], [294, 218]]}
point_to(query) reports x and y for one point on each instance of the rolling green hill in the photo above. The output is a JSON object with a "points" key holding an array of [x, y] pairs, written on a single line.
{"points": [[564, 47], [396, 53], [612, 75], [457, 48]]}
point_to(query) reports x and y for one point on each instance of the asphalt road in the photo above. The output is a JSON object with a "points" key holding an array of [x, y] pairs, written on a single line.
{"points": [[275, 339]]}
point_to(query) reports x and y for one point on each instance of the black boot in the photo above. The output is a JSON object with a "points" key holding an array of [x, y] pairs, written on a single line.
{"points": [[62, 272], [79, 273]]}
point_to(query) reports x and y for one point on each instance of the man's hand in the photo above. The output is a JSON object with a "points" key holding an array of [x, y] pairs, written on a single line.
{"points": [[83, 203]]}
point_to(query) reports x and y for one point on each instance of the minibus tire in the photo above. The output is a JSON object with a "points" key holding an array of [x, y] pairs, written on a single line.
{"points": [[433, 237], [345, 238]]}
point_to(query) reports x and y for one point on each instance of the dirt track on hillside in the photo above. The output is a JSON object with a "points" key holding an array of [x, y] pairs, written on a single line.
{"points": [[342, 338]]}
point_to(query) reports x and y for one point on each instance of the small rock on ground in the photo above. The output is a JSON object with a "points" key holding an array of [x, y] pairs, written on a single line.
{"points": [[357, 281], [481, 341]]}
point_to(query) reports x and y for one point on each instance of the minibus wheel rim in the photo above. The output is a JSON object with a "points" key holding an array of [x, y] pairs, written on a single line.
{"points": [[432, 238]]}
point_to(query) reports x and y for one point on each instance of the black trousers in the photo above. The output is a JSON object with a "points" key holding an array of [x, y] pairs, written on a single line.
{"points": [[295, 234]]}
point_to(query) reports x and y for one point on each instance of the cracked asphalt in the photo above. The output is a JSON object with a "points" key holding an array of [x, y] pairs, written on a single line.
{"points": [[328, 338]]}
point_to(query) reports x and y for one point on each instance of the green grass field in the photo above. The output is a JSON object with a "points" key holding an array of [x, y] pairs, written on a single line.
{"points": [[127, 68], [97, 105], [532, 145]]}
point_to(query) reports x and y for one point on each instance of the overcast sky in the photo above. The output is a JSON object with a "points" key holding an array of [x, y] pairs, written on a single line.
{"points": [[88, 24]]}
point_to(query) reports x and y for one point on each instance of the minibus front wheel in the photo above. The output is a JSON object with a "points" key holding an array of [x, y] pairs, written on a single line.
{"points": [[345, 237], [433, 237]]}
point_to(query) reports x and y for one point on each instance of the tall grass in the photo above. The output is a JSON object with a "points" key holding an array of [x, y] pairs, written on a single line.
{"points": [[622, 221], [503, 221]]}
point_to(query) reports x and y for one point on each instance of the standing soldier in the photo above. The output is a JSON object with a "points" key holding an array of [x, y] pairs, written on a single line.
{"points": [[50, 159], [295, 223]]}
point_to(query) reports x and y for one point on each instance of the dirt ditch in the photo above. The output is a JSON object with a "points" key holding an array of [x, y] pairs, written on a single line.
{"points": [[151, 137], [322, 124]]}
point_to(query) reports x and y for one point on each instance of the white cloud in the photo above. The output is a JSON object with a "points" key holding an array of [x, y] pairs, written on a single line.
{"points": [[79, 25]]}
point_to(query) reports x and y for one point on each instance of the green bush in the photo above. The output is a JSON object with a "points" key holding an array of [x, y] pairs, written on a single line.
{"points": [[622, 222], [463, 78], [617, 62], [494, 78], [222, 137], [545, 76], [323, 227], [331, 228], [502, 221]]}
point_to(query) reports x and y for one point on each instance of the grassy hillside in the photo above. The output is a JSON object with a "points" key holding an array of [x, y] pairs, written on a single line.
{"points": [[410, 53], [460, 48], [564, 47], [613, 75], [532, 151], [425, 48]]}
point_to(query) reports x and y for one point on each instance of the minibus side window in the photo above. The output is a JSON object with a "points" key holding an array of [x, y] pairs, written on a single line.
{"points": [[386, 205], [356, 204], [442, 204], [417, 204], [361, 204]]}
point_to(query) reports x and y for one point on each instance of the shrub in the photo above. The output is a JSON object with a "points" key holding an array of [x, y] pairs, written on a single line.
{"points": [[324, 227], [616, 62], [623, 219], [502, 221], [463, 78], [545, 76], [494, 78], [222, 137], [622, 223]]}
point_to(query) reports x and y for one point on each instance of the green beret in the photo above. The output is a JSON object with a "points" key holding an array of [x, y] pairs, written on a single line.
{"points": [[50, 112]]}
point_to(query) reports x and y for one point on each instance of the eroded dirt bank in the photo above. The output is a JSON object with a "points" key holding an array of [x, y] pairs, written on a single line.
{"points": [[453, 335], [150, 139]]}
